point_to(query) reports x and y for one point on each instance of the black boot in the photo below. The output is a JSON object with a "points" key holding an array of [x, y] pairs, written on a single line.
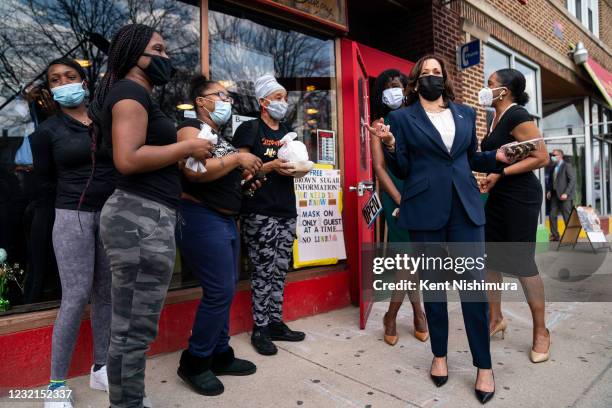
{"points": [[260, 339], [227, 364], [196, 371], [280, 332]]}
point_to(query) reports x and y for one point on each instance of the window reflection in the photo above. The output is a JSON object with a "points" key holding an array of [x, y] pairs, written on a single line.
{"points": [[530, 86], [32, 33], [241, 50]]}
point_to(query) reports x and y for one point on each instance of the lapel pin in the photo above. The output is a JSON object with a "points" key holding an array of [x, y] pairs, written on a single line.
{"points": [[460, 116]]}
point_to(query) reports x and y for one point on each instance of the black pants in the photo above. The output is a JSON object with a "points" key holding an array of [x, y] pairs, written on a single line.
{"points": [[42, 268], [470, 238], [556, 206]]}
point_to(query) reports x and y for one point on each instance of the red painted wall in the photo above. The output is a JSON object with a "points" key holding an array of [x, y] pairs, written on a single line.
{"points": [[25, 357]]}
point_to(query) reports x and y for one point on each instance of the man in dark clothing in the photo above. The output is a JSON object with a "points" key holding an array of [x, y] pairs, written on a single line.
{"points": [[560, 191]]}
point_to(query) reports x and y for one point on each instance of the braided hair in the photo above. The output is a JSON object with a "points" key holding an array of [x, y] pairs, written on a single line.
{"points": [[127, 46]]}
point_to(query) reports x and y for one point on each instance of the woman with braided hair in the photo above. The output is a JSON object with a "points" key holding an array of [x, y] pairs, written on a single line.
{"points": [[138, 220]]}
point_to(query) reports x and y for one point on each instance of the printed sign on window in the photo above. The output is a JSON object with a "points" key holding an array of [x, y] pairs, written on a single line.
{"points": [[320, 233], [326, 147]]}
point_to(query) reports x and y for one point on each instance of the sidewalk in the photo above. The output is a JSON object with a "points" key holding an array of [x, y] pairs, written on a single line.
{"points": [[339, 365]]}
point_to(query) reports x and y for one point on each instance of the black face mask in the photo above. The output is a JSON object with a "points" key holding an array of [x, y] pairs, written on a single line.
{"points": [[159, 70], [431, 87]]}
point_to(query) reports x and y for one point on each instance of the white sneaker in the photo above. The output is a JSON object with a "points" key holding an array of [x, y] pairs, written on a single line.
{"points": [[65, 402], [146, 402], [98, 380]]}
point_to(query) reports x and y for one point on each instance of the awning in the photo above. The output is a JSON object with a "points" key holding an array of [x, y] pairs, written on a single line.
{"points": [[602, 78]]}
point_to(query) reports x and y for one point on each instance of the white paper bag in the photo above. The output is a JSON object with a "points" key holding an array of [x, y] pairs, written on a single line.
{"points": [[206, 134]]}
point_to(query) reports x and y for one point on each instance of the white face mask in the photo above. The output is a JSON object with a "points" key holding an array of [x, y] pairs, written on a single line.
{"points": [[485, 96], [277, 109], [393, 97]]}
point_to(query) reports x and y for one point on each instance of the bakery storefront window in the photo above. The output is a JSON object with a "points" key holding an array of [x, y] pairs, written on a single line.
{"points": [[33, 33], [243, 47]]}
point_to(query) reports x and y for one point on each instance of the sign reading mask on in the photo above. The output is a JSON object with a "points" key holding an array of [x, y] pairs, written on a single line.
{"points": [[320, 234], [329, 12]]}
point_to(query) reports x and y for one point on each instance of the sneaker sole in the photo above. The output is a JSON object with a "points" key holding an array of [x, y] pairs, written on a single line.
{"points": [[286, 339], [97, 386], [199, 390], [265, 353]]}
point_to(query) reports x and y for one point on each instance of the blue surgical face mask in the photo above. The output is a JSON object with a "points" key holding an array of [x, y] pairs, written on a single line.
{"points": [[69, 95], [222, 112], [277, 109]]}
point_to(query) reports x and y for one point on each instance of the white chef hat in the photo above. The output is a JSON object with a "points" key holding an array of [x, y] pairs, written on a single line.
{"points": [[265, 85]]}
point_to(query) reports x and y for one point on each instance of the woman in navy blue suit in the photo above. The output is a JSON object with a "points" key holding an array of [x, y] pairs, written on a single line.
{"points": [[434, 151]]}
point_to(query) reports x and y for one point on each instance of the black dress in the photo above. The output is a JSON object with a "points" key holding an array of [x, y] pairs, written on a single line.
{"points": [[513, 207]]}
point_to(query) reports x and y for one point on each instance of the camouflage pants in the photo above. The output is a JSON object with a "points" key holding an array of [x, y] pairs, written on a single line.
{"points": [[269, 242], [138, 236]]}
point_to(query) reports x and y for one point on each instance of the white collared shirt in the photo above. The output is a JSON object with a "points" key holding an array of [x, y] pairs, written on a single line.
{"points": [[445, 124]]}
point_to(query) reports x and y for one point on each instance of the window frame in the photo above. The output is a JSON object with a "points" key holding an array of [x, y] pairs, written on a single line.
{"points": [[583, 15], [513, 58]]}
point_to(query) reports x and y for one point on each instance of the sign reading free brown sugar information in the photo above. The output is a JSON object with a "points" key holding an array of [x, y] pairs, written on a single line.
{"points": [[329, 12], [320, 233]]}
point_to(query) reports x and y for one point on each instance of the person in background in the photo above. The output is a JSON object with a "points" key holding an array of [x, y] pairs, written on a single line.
{"points": [[42, 275], [63, 163], [513, 206], [435, 153], [389, 96], [560, 191], [268, 220], [208, 239], [138, 220]]}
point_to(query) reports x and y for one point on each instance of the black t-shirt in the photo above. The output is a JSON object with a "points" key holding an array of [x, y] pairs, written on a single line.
{"points": [[276, 197], [162, 185], [224, 192], [524, 186], [61, 149]]}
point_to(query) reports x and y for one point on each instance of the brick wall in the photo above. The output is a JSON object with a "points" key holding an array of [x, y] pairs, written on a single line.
{"points": [[605, 21], [447, 35], [538, 17]]}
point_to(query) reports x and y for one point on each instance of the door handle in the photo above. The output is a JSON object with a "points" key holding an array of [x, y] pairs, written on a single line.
{"points": [[362, 187]]}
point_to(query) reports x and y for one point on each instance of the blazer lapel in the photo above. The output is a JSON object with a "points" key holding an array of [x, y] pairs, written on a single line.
{"points": [[422, 122], [461, 128]]}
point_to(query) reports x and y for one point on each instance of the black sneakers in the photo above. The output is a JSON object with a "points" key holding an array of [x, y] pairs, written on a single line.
{"points": [[263, 336], [196, 371], [227, 364], [280, 332], [260, 339]]}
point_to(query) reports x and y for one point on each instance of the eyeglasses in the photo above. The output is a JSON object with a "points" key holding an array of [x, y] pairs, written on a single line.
{"points": [[222, 95]]}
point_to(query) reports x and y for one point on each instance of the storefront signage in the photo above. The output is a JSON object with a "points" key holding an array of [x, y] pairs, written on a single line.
{"points": [[320, 234], [468, 55], [328, 12], [372, 209], [326, 147], [602, 78]]}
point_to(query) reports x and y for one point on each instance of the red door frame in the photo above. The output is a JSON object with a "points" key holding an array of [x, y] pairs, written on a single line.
{"points": [[374, 62]]}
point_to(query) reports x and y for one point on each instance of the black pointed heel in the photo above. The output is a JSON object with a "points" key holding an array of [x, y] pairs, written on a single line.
{"points": [[485, 396], [439, 380]]}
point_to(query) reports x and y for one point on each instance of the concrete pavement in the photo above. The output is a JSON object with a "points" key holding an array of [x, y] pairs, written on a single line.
{"points": [[339, 365]]}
